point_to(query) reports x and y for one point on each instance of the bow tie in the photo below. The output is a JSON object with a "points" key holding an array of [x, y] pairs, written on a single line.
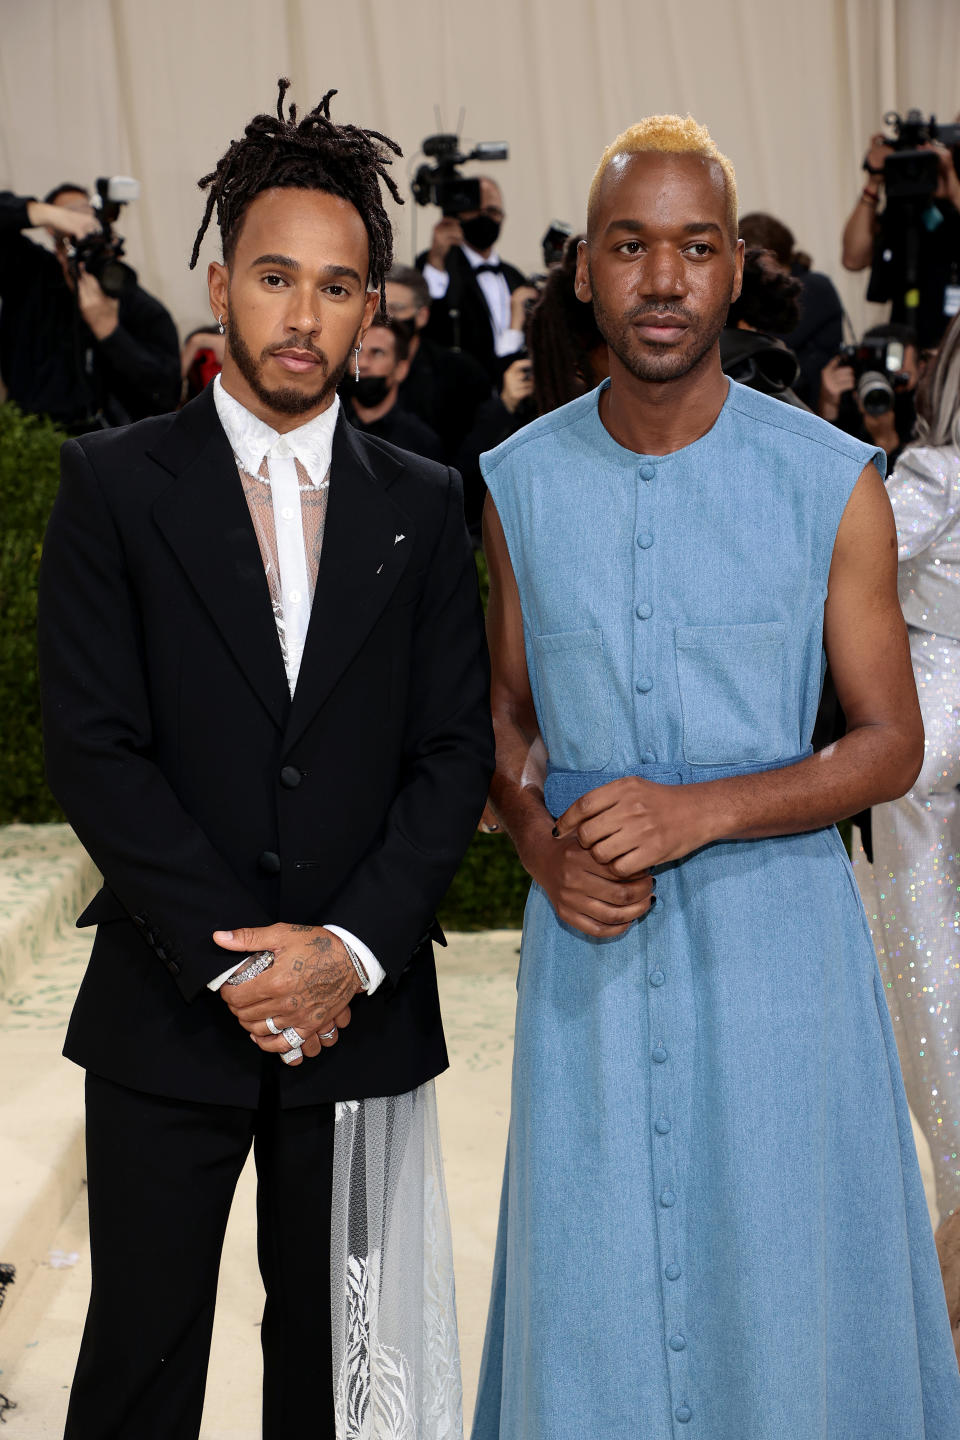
{"points": [[488, 269]]}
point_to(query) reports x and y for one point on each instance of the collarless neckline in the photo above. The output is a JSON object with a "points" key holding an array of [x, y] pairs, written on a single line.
{"points": [[624, 453]]}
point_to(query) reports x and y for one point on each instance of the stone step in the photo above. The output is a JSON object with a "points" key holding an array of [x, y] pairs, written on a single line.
{"points": [[46, 879]]}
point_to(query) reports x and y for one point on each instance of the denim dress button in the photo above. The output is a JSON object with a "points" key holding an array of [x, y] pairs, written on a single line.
{"points": [[644, 610], [667, 1199], [648, 757], [672, 1271], [657, 978], [659, 1055], [644, 685], [663, 1127], [647, 472], [644, 539], [683, 1413], [678, 1342]]}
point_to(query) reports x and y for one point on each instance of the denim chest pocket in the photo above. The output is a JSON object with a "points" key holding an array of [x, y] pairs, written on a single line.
{"points": [[733, 693], [573, 689]]}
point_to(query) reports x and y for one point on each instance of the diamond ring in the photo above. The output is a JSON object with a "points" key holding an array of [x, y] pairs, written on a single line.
{"points": [[271, 1026], [293, 1037]]}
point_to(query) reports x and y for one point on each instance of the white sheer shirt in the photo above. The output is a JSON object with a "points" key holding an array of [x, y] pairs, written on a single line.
{"points": [[496, 292], [286, 480]]}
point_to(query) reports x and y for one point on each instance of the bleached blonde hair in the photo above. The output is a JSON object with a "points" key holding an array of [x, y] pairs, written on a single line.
{"points": [[667, 135]]}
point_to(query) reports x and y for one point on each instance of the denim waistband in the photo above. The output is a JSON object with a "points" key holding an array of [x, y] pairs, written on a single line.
{"points": [[563, 787]]}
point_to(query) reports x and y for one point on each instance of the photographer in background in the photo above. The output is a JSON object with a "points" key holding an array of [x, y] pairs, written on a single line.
{"points": [[372, 399], [750, 352], [869, 390], [817, 333], [68, 349], [912, 243], [443, 388], [201, 360], [477, 300]]}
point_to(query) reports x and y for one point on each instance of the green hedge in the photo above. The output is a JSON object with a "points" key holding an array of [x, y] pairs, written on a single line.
{"points": [[29, 468], [489, 889]]}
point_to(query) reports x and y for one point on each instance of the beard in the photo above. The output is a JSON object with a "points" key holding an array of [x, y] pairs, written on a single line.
{"points": [[655, 363], [286, 399]]}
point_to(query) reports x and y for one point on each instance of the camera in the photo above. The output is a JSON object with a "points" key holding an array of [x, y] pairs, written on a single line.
{"points": [[877, 363], [912, 173], [554, 242], [100, 253], [442, 184]]}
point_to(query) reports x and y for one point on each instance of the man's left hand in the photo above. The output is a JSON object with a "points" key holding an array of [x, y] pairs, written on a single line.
{"points": [[308, 987], [100, 311], [633, 824]]}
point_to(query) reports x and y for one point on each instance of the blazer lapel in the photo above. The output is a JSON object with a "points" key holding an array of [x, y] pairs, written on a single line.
{"points": [[204, 517], [367, 543]]}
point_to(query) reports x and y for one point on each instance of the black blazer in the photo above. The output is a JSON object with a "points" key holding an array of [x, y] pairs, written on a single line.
{"points": [[473, 331], [207, 798]]}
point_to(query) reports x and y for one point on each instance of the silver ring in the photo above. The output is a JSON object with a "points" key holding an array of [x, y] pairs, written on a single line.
{"points": [[271, 1026], [288, 1056], [293, 1037], [328, 1034]]}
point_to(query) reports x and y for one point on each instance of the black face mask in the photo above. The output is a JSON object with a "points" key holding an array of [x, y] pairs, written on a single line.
{"points": [[369, 391], [481, 232]]}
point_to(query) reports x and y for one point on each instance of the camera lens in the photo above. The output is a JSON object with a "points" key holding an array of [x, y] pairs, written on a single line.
{"points": [[875, 393]]}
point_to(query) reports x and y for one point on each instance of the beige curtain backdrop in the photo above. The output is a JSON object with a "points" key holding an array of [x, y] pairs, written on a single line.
{"points": [[157, 88]]}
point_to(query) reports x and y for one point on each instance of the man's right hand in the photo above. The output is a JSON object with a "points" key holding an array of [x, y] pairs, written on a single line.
{"points": [[880, 149], [60, 221], [517, 384], [836, 378], [585, 893], [446, 234]]}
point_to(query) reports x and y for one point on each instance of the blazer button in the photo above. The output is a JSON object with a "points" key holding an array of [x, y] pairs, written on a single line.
{"points": [[269, 862], [173, 967], [290, 777]]}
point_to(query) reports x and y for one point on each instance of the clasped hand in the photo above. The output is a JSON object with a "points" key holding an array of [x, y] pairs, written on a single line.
{"points": [[605, 845], [308, 987]]}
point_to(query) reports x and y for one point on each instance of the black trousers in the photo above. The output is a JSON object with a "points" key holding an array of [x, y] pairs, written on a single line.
{"points": [[162, 1175]]}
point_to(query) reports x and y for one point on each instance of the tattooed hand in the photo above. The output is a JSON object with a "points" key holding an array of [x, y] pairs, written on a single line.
{"points": [[308, 986]]}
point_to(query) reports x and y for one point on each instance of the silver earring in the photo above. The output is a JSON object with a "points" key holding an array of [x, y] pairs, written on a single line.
{"points": [[356, 360], [220, 325]]}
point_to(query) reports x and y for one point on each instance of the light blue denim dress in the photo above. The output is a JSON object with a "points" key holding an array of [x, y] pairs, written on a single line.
{"points": [[712, 1223]]}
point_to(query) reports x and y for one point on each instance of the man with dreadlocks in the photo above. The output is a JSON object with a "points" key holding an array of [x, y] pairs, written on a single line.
{"points": [[266, 715], [713, 1223]]}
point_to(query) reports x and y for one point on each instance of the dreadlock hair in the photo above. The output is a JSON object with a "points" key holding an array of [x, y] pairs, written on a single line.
{"points": [[316, 154], [561, 334]]}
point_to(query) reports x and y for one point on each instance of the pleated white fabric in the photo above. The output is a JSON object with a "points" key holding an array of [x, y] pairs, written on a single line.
{"points": [[396, 1358]]}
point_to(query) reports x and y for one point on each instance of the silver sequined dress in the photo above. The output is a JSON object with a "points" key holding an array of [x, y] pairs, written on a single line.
{"points": [[912, 891]]}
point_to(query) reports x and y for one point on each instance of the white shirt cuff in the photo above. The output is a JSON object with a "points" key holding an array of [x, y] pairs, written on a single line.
{"points": [[375, 971], [438, 283], [222, 979], [509, 341]]}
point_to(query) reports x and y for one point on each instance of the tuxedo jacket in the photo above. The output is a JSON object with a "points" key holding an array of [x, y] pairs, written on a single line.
{"points": [[473, 331], [208, 799]]}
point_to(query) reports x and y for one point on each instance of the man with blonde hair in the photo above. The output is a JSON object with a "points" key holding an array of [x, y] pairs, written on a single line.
{"points": [[712, 1221]]}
